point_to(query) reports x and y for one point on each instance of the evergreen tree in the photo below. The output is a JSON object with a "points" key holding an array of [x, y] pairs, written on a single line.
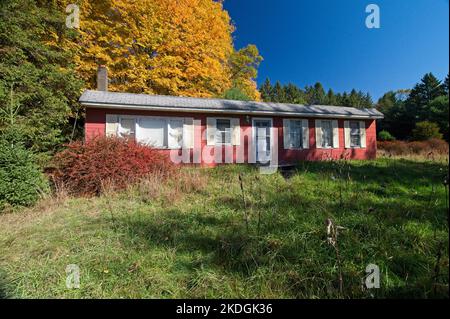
{"points": [[278, 94], [37, 76], [266, 91], [318, 97], [353, 99], [367, 100], [423, 93], [446, 85], [338, 98], [345, 99], [438, 112], [293, 94], [331, 98], [386, 102]]}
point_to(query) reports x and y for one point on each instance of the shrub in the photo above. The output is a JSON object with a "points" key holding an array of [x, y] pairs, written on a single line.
{"points": [[425, 148], [437, 145], [426, 130], [21, 180], [418, 147], [393, 147], [385, 136], [86, 168]]}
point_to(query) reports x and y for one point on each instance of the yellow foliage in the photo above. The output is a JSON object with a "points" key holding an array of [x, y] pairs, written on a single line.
{"points": [[171, 47]]}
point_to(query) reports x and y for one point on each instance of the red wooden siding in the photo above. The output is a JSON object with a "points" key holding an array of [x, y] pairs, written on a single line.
{"points": [[96, 118]]}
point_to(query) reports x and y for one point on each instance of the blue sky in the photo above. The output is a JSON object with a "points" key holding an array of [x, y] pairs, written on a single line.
{"points": [[305, 41]]}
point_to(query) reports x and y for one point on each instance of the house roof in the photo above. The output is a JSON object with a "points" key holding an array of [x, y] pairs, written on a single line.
{"points": [[115, 100]]}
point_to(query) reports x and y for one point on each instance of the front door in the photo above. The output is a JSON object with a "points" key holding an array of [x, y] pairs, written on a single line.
{"points": [[262, 141]]}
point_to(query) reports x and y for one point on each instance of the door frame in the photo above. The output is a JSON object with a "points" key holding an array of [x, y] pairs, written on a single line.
{"points": [[268, 119]]}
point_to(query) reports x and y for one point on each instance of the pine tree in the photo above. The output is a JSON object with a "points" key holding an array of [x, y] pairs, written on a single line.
{"points": [[331, 98], [293, 94], [446, 85], [367, 100], [266, 91], [319, 94], [278, 94], [424, 92]]}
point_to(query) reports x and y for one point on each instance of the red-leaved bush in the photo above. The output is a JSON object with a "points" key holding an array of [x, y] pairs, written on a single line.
{"points": [[432, 146], [86, 168]]}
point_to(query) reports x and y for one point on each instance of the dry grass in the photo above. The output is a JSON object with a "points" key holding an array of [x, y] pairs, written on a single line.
{"points": [[431, 150]]}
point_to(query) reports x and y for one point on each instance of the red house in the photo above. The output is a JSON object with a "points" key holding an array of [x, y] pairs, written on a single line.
{"points": [[213, 131]]}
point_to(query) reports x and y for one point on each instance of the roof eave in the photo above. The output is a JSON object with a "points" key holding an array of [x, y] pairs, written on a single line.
{"points": [[215, 111]]}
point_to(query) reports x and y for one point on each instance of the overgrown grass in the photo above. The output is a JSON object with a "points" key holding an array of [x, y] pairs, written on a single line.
{"points": [[199, 236]]}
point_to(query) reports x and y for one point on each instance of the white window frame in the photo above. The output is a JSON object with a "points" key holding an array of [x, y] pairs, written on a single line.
{"points": [[119, 126], [331, 129], [301, 134], [229, 119], [359, 133], [167, 119]]}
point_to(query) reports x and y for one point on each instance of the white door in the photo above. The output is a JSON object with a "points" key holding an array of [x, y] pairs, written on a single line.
{"points": [[262, 140]]}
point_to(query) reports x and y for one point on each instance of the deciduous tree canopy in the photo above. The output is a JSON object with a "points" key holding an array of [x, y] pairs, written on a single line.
{"points": [[169, 47]]}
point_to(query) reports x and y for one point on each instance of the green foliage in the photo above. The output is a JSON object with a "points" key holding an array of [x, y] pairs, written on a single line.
{"points": [[36, 78], [385, 136], [244, 63], [21, 180], [423, 93], [438, 112], [427, 101], [236, 94], [312, 95], [426, 130], [266, 91]]}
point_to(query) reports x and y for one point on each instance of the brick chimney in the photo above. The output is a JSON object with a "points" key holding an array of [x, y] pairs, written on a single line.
{"points": [[102, 78]]}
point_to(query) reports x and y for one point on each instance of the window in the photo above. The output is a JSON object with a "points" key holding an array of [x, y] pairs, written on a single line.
{"points": [[295, 134], [158, 132], [128, 127], [355, 134], [152, 132], [223, 132], [327, 134], [175, 133]]}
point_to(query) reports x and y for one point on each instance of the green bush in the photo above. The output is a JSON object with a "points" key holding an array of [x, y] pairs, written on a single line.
{"points": [[385, 136], [21, 180], [426, 130]]}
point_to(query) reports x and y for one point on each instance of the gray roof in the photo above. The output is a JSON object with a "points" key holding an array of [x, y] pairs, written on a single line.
{"points": [[115, 100]]}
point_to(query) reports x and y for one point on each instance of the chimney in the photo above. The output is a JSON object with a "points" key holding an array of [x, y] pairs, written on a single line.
{"points": [[102, 78]]}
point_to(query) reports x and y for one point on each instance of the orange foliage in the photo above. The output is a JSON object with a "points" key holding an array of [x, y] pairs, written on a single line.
{"points": [[171, 47]]}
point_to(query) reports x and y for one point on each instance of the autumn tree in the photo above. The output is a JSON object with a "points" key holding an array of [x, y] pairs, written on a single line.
{"points": [[244, 70], [171, 47]]}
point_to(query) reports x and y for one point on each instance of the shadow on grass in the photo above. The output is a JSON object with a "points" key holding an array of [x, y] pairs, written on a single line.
{"points": [[223, 241]]}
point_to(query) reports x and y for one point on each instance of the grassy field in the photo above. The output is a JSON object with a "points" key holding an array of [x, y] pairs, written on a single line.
{"points": [[200, 236]]}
